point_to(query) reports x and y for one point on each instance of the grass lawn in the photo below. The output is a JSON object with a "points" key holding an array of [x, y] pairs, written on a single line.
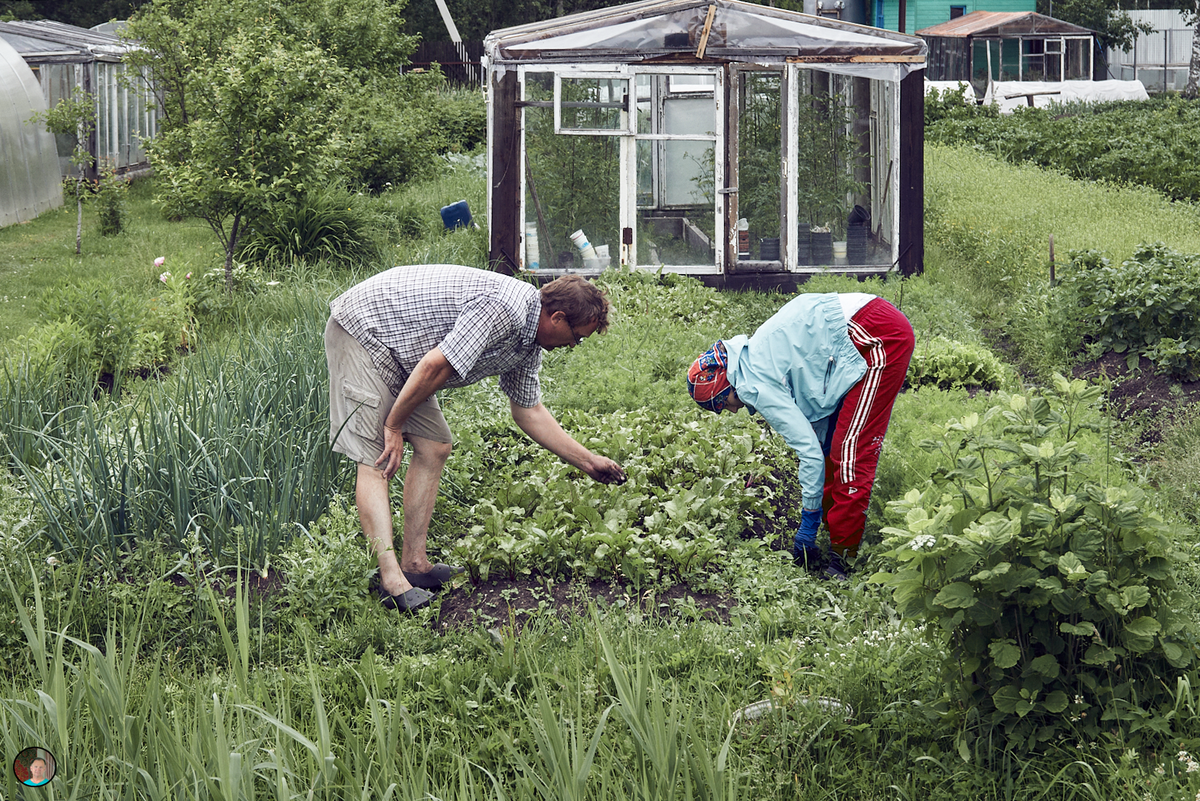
{"points": [[38, 256]]}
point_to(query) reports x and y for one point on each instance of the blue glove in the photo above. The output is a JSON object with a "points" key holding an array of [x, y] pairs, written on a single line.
{"points": [[806, 535]]}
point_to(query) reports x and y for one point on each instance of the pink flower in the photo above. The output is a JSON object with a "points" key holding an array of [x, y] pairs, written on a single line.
{"points": [[160, 261], [164, 277]]}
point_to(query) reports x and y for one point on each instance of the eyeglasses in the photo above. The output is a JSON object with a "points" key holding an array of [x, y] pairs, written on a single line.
{"points": [[578, 339]]}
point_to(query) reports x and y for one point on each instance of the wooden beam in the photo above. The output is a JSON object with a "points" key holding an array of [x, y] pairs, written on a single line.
{"points": [[848, 59], [912, 174], [504, 191]]}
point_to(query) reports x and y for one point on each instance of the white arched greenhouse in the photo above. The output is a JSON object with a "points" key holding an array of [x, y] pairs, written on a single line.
{"points": [[29, 177], [731, 141]]}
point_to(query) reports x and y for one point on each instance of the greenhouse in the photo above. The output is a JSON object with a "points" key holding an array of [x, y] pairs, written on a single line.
{"points": [[29, 178], [985, 47], [65, 58], [709, 138]]}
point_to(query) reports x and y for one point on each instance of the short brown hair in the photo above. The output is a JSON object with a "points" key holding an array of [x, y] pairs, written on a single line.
{"points": [[577, 298]]}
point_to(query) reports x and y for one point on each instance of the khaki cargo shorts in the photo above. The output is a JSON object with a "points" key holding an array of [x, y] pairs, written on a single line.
{"points": [[359, 402]]}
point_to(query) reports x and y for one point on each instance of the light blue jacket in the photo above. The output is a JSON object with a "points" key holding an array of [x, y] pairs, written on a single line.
{"points": [[794, 371]]}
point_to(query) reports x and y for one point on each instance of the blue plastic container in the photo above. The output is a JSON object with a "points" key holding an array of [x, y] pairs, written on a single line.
{"points": [[456, 215]]}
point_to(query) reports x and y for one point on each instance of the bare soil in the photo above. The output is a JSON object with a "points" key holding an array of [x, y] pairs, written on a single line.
{"points": [[509, 604], [1141, 395]]}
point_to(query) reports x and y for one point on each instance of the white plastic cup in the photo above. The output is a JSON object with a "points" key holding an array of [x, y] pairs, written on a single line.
{"points": [[602, 256], [590, 259], [839, 250], [532, 258]]}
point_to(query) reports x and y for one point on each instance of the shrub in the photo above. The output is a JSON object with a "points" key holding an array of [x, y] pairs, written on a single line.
{"points": [[119, 326], [954, 104], [1051, 588], [398, 130], [110, 202], [329, 225]]}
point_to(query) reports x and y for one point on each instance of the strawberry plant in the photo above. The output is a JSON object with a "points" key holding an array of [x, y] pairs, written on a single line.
{"points": [[1050, 588]]}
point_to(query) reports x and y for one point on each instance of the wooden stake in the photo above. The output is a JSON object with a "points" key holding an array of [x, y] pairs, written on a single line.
{"points": [[1051, 259], [708, 21]]}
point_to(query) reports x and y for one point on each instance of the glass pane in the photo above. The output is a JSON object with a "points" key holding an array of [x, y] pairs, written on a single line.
{"points": [[572, 183], [759, 165], [845, 170], [676, 189], [594, 104], [1077, 60]]}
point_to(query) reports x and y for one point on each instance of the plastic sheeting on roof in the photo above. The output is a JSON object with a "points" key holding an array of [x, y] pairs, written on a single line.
{"points": [[44, 39], [736, 31], [29, 173]]}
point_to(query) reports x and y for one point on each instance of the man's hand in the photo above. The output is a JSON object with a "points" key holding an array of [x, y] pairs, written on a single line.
{"points": [[393, 452], [542, 428], [604, 470]]}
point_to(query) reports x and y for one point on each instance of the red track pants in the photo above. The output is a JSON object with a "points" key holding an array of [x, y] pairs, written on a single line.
{"points": [[885, 339]]}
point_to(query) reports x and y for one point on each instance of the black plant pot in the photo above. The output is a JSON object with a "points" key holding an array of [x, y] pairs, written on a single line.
{"points": [[856, 243], [768, 249], [822, 247], [803, 244]]}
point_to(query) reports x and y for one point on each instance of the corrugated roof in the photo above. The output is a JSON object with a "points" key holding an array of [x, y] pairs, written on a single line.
{"points": [[1002, 23], [46, 37]]}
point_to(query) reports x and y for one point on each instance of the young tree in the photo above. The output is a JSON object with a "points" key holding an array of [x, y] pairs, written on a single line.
{"points": [[74, 116], [255, 125]]}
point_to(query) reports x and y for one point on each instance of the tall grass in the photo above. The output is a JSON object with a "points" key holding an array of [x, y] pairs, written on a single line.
{"points": [[230, 455], [994, 220]]}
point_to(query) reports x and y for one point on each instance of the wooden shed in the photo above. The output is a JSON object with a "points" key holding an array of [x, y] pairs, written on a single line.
{"points": [[709, 138], [990, 46]]}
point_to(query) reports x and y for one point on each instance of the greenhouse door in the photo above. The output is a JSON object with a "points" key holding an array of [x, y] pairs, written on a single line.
{"points": [[677, 223]]}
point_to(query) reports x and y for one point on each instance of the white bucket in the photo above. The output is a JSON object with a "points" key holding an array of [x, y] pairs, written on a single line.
{"points": [[532, 257], [590, 260]]}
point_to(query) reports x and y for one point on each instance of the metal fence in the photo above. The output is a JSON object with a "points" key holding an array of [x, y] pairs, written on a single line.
{"points": [[1158, 59], [459, 61]]}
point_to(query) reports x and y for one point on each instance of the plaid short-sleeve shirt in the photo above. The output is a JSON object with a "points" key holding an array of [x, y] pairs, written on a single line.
{"points": [[485, 324]]}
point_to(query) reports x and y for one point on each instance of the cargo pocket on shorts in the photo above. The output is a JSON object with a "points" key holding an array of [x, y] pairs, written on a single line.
{"points": [[362, 410]]}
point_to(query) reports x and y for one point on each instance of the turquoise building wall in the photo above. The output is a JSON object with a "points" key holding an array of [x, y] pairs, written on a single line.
{"points": [[926, 13]]}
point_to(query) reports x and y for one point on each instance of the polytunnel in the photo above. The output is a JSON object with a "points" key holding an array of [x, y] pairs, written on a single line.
{"points": [[716, 138], [29, 177]]}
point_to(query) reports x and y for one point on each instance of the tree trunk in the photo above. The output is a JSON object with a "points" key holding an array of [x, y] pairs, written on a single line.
{"points": [[78, 216], [233, 235], [1192, 90]]}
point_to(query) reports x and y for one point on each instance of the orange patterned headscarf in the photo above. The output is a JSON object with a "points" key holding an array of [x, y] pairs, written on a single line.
{"points": [[708, 379]]}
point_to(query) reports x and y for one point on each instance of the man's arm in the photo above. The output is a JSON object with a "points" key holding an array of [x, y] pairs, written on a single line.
{"points": [[430, 375], [543, 429]]}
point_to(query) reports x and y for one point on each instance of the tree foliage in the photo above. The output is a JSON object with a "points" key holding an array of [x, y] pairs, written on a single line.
{"points": [[253, 125], [261, 102]]}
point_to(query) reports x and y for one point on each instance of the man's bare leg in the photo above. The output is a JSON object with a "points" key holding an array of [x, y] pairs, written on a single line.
{"points": [[420, 494], [375, 515], [375, 512]]}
